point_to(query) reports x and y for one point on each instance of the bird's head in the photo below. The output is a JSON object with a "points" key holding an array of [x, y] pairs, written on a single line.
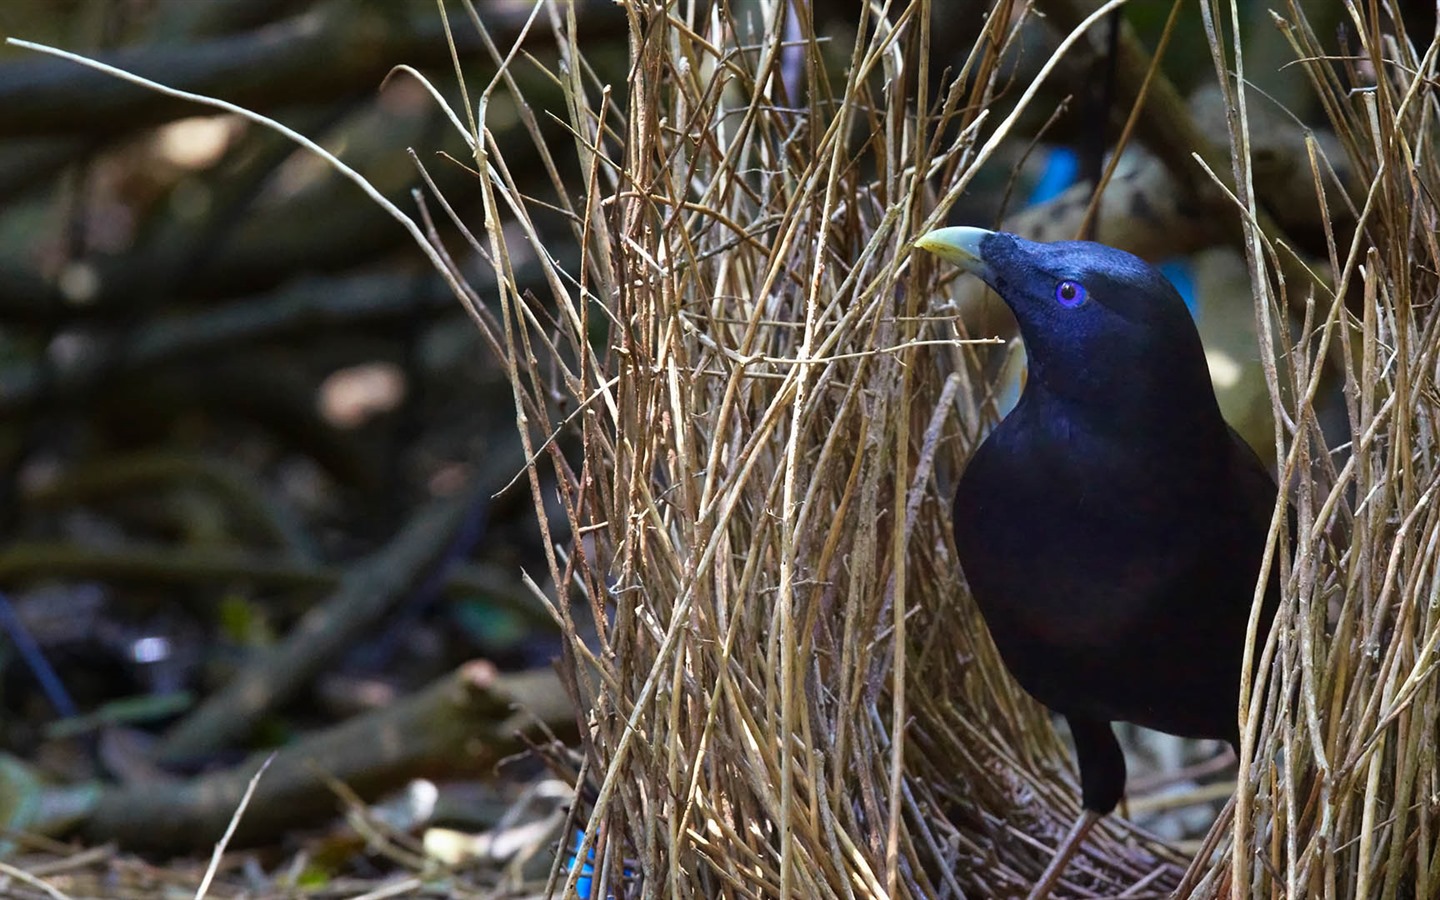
{"points": [[1098, 323]]}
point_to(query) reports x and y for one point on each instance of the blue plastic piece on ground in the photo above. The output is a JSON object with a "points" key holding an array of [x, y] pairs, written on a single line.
{"points": [[586, 882], [34, 657], [587, 871]]}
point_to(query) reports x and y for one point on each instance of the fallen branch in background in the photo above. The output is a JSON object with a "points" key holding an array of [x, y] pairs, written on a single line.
{"points": [[367, 593], [461, 726]]}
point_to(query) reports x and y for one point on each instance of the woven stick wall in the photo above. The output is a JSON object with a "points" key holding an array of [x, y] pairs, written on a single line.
{"points": [[787, 691]]}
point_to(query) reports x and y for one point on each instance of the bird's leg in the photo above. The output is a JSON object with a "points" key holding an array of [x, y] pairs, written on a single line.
{"points": [[1102, 783], [1061, 859]]}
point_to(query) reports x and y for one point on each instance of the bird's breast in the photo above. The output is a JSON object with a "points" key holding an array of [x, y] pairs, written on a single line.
{"points": [[1075, 539], [1092, 560]]}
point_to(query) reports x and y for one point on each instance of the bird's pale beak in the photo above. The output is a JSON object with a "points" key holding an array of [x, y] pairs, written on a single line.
{"points": [[959, 245]]}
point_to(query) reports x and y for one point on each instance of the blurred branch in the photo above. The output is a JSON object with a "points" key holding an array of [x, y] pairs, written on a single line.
{"points": [[33, 560], [365, 595], [244, 496], [462, 725], [27, 163], [168, 566], [188, 20], [237, 248], [340, 50], [172, 250], [311, 306], [327, 229]]}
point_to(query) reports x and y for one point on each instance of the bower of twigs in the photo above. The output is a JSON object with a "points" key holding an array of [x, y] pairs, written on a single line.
{"points": [[785, 690]]}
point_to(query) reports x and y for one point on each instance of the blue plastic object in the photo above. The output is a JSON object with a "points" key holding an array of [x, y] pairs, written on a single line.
{"points": [[1182, 275], [1062, 167], [586, 882]]}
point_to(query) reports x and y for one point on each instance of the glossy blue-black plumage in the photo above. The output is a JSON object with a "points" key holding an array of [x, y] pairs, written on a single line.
{"points": [[1111, 527]]}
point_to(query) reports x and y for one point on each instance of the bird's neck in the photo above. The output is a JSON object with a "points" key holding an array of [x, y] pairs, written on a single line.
{"points": [[1163, 413]]}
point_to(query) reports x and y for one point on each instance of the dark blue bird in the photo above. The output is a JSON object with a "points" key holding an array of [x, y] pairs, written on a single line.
{"points": [[1111, 527]]}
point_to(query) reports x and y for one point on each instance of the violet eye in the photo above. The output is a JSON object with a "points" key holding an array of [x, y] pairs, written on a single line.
{"points": [[1070, 294]]}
